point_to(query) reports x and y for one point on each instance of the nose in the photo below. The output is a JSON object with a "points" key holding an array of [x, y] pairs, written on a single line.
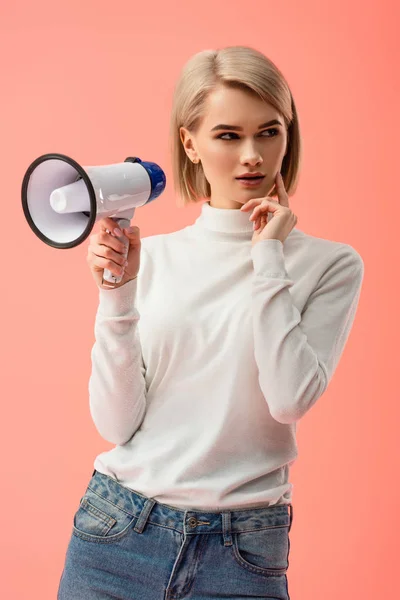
{"points": [[250, 155]]}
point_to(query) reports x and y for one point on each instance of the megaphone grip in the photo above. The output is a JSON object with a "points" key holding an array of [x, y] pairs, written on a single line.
{"points": [[107, 275]]}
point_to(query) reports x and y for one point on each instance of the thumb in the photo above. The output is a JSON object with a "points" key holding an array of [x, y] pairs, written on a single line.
{"points": [[132, 233]]}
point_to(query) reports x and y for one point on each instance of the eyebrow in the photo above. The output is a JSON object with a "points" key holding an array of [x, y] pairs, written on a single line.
{"points": [[235, 128]]}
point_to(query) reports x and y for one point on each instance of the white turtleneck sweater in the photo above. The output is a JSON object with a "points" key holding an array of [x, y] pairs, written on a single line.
{"points": [[203, 365]]}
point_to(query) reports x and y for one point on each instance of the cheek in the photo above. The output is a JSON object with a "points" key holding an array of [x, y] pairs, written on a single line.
{"points": [[218, 158]]}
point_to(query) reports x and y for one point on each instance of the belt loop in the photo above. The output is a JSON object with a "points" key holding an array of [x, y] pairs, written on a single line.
{"points": [[144, 514], [226, 528], [291, 516]]}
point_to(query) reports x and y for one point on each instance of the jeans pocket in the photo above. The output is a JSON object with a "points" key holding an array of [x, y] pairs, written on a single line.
{"points": [[264, 551], [99, 520]]}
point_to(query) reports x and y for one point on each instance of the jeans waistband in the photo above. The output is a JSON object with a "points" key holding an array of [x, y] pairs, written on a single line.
{"points": [[189, 521]]}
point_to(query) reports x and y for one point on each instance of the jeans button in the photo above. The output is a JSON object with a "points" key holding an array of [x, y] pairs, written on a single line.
{"points": [[192, 522]]}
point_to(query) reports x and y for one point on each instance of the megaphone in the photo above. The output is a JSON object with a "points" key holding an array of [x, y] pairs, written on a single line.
{"points": [[62, 200]]}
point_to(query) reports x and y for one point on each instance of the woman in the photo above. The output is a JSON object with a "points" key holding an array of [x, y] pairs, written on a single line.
{"points": [[205, 361]]}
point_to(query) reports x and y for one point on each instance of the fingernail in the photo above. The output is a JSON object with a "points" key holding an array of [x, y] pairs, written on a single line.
{"points": [[118, 232]]}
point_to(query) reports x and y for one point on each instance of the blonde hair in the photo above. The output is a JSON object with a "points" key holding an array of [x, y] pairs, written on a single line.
{"points": [[235, 66]]}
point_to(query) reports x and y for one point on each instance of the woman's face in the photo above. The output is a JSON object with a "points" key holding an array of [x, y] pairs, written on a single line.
{"points": [[228, 152]]}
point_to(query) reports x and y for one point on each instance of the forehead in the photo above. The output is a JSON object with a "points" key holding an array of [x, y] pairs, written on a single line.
{"points": [[232, 106]]}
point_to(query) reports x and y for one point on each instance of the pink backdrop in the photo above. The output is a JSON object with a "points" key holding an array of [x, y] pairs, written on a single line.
{"points": [[94, 80]]}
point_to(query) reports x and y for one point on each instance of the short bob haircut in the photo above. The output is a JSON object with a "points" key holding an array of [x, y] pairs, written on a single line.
{"points": [[239, 67]]}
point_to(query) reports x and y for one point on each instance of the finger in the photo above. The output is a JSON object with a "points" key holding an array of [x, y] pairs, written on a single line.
{"points": [[108, 253], [108, 223], [133, 235], [255, 214], [107, 239], [106, 263], [266, 207], [251, 203], [132, 232], [280, 188]]}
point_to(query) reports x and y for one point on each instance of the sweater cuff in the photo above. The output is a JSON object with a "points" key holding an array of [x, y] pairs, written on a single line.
{"points": [[119, 301], [268, 258]]}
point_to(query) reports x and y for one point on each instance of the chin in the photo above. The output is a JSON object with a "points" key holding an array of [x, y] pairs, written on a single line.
{"points": [[249, 194]]}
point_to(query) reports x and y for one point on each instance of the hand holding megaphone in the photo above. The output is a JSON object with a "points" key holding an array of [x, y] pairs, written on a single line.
{"points": [[62, 201], [111, 251]]}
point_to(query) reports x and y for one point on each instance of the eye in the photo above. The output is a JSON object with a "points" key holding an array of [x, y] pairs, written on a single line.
{"points": [[221, 137], [274, 131]]}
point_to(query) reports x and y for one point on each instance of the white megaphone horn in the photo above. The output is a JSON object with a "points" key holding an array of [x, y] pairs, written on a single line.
{"points": [[62, 200]]}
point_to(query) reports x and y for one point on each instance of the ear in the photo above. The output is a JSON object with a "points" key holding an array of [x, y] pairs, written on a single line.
{"points": [[188, 143]]}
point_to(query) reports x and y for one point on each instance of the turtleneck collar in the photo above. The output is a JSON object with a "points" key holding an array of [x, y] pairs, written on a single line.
{"points": [[224, 220]]}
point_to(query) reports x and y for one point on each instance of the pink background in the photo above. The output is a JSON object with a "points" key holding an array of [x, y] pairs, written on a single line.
{"points": [[94, 80]]}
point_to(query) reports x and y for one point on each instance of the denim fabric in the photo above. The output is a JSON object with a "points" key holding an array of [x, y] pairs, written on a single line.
{"points": [[127, 546]]}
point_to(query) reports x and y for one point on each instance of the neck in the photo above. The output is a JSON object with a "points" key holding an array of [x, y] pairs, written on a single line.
{"points": [[222, 221], [226, 204]]}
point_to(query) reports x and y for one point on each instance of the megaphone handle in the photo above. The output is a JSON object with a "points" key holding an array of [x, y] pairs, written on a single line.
{"points": [[107, 275]]}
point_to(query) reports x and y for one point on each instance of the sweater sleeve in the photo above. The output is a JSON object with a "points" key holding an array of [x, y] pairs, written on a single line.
{"points": [[117, 389], [297, 354]]}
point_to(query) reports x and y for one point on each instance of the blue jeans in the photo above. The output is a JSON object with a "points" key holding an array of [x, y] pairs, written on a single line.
{"points": [[127, 546]]}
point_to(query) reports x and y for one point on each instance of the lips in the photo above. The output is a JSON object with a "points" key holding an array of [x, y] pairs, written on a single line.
{"points": [[256, 175]]}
